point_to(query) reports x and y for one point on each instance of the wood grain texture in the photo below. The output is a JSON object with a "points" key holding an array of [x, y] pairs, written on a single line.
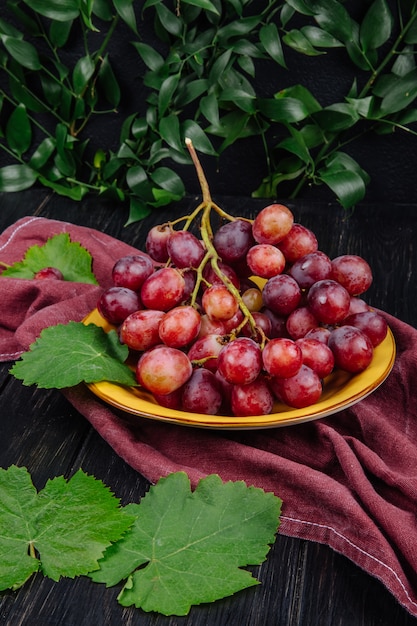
{"points": [[302, 583]]}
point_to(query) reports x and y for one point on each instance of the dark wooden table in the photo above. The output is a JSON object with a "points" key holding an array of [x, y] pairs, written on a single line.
{"points": [[303, 583]]}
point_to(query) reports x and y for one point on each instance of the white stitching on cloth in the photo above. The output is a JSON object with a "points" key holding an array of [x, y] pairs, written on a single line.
{"points": [[353, 545], [16, 230]]}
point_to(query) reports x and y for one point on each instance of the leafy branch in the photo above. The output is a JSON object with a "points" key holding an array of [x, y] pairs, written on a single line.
{"points": [[200, 71]]}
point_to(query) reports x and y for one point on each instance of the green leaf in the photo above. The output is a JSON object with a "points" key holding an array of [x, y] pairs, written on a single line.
{"points": [[152, 59], [199, 138], [59, 32], [270, 40], [138, 210], [108, 82], [169, 180], [61, 10], [22, 51], [209, 106], [333, 17], [320, 38], [297, 40], [68, 354], [337, 117], [60, 252], [203, 4], [187, 547], [283, 109], [169, 127], [19, 130], [17, 177], [376, 26], [345, 178], [62, 531], [74, 192], [83, 71], [42, 153], [126, 11], [166, 92], [402, 96]]}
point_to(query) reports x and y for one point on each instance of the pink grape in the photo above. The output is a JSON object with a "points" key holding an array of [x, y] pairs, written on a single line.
{"points": [[184, 249], [116, 303], [180, 326], [210, 326], [156, 242], [140, 330], [351, 347], [233, 240], [219, 303], [310, 268], [131, 271], [357, 305], [328, 301], [371, 323], [298, 391], [265, 260], [240, 361], [163, 290], [299, 242], [49, 272], [162, 369], [202, 393], [278, 323], [317, 355], [281, 294], [254, 398], [353, 272], [262, 322], [272, 224], [282, 357]]}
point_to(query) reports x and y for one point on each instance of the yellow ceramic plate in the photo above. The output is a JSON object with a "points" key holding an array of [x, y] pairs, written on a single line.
{"points": [[341, 390]]}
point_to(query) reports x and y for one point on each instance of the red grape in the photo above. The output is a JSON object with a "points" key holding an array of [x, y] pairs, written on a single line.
{"points": [[299, 242], [282, 357], [281, 294], [162, 370], [272, 224], [300, 322], [317, 355], [49, 272], [140, 330], [240, 361], [371, 323], [351, 347], [353, 272], [180, 326], [265, 260], [219, 303], [116, 303], [202, 393], [254, 398], [328, 301], [310, 268], [184, 249], [163, 290], [206, 350], [131, 271], [300, 390], [156, 242], [233, 240]]}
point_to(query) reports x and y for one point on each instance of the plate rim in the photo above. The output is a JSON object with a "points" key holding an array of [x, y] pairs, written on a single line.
{"points": [[130, 401]]}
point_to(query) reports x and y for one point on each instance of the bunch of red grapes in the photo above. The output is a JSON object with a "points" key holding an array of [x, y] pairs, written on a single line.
{"points": [[211, 338]]}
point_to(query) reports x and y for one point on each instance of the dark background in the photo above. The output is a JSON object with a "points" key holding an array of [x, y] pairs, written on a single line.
{"points": [[390, 160]]}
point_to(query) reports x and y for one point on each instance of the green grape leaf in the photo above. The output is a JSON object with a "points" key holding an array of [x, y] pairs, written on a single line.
{"points": [[68, 354], [60, 252], [188, 547], [62, 530]]}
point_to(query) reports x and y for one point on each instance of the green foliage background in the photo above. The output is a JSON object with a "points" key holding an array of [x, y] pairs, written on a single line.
{"points": [[198, 80]]}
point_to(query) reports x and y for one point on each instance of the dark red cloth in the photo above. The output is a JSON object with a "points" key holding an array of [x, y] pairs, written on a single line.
{"points": [[348, 480]]}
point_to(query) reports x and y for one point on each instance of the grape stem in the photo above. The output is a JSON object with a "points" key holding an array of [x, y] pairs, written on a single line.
{"points": [[206, 207]]}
